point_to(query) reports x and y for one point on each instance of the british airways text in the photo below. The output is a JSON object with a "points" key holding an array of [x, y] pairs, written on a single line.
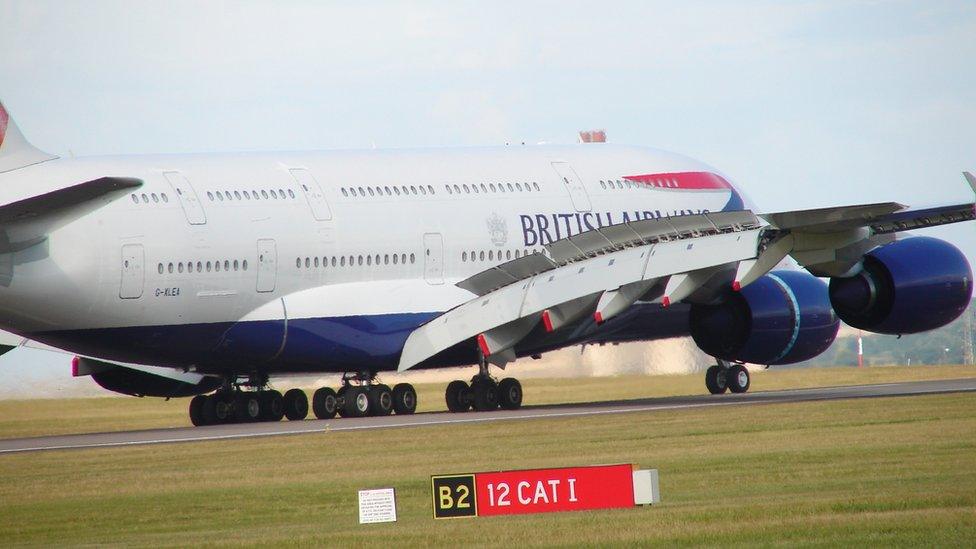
{"points": [[541, 229]]}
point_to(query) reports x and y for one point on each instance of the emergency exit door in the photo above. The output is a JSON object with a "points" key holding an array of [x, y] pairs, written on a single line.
{"points": [[434, 258], [267, 265], [187, 197], [133, 271], [574, 185]]}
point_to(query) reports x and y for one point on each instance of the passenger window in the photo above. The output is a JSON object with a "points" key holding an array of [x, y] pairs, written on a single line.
{"points": [[298, 263], [423, 190], [135, 199], [464, 256], [170, 268], [333, 261], [370, 189], [342, 261], [457, 190], [247, 195], [413, 190], [179, 267], [244, 265], [209, 266], [518, 186], [264, 194], [281, 193], [413, 258], [466, 190], [316, 262], [492, 187], [386, 259], [160, 268], [307, 263], [189, 266], [481, 255], [236, 265], [237, 195], [344, 192], [395, 258], [164, 197], [274, 194]]}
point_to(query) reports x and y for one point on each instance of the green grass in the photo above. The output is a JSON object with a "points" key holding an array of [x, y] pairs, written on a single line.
{"points": [[55, 416], [895, 471]]}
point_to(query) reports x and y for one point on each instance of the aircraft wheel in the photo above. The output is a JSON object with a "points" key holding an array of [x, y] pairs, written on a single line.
{"points": [[510, 394], [456, 396], [247, 407], [217, 409], [196, 410], [716, 380], [404, 399], [485, 395], [380, 400], [296, 404], [356, 402], [272, 406], [324, 403], [738, 379]]}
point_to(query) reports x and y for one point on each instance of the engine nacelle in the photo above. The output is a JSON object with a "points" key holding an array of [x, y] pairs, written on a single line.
{"points": [[781, 318], [909, 286]]}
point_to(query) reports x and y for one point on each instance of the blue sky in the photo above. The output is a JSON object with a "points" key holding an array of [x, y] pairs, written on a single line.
{"points": [[804, 104]]}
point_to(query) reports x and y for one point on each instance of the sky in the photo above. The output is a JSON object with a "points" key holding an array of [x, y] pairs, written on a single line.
{"points": [[803, 104]]}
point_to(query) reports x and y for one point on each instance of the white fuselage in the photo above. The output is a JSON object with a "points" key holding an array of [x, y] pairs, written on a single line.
{"points": [[314, 252]]}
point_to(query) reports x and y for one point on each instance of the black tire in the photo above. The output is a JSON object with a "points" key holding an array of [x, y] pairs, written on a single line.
{"points": [[217, 408], [196, 410], [738, 379], [456, 396], [716, 380], [510, 394], [296, 404], [404, 399], [485, 395], [380, 400], [357, 402], [324, 403], [272, 406], [247, 407]]}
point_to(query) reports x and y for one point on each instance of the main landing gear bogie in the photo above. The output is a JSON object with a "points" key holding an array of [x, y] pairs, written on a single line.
{"points": [[361, 396], [484, 393], [726, 376]]}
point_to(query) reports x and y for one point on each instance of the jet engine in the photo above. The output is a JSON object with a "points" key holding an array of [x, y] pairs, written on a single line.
{"points": [[909, 286], [781, 318]]}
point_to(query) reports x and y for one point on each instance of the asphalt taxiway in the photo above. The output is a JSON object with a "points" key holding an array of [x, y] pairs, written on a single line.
{"points": [[250, 430]]}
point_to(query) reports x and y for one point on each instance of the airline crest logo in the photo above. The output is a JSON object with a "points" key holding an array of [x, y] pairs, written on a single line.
{"points": [[4, 118], [498, 229]]}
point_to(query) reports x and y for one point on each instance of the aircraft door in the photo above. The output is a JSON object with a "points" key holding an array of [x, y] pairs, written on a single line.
{"points": [[581, 200], [434, 258], [313, 193], [133, 271], [267, 265], [187, 197]]}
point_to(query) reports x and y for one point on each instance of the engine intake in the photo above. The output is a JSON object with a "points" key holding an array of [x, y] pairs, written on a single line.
{"points": [[781, 318], [909, 286]]}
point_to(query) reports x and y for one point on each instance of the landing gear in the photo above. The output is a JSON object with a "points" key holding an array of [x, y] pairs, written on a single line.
{"points": [[727, 376], [361, 396], [484, 393], [247, 401]]}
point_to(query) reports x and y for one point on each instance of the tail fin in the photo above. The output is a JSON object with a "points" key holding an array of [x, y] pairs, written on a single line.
{"points": [[15, 151]]}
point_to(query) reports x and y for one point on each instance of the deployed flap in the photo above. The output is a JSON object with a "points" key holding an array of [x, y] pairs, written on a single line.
{"points": [[690, 246], [26, 222]]}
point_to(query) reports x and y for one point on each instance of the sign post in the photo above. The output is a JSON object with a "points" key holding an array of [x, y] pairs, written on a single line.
{"points": [[377, 506], [543, 490]]}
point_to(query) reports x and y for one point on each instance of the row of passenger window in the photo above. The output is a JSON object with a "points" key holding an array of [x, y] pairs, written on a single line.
{"points": [[386, 190], [495, 255], [155, 198], [203, 266], [491, 187], [663, 182], [265, 194], [354, 260]]}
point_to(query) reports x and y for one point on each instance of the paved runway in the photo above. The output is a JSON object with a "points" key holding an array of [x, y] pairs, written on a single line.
{"points": [[249, 430]]}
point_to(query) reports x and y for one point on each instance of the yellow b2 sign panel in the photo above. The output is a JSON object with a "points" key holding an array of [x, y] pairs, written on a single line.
{"points": [[454, 496]]}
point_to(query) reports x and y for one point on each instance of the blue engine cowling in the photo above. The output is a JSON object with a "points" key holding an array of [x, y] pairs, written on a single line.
{"points": [[782, 318], [909, 286]]}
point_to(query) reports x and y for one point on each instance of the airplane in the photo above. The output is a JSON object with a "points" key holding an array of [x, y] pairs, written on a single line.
{"points": [[207, 275]]}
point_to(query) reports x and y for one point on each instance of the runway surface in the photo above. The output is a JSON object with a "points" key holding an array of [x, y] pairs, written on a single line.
{"points": [[250, 430]]}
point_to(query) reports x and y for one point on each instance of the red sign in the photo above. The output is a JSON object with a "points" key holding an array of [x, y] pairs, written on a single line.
{"points": [[534, 491]]}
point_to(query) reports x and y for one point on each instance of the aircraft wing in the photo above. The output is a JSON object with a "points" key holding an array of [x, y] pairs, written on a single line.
{"points": [[604, 271], [86, 365], [600, 272]]}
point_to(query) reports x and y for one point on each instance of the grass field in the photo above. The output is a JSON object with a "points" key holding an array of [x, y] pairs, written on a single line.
{"points": [[895, 471], [86, 415]]}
